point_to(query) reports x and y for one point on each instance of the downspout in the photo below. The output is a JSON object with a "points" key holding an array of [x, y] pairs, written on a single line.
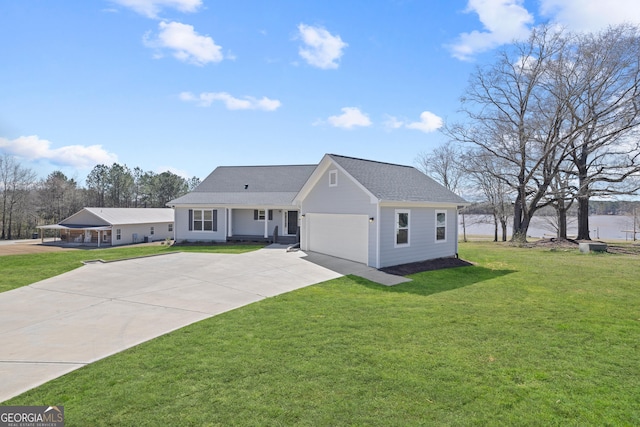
{"points": [[456, 227], [378, 235]]}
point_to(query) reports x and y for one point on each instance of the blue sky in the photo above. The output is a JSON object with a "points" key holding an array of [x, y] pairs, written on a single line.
{"points": [[188, 85]]}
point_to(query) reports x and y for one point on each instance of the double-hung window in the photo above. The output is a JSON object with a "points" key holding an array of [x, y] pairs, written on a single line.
{"points": [[259, 214], [203, 220], [441, 226], [402, 228]]}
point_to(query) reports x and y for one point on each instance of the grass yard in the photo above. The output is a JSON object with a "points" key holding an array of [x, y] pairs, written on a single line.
{"points": [[22, 270], [525, 337]]}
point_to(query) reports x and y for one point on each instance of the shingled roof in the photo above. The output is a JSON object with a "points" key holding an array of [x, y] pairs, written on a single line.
{"points": [[397, 183], [249, 185], [279, 185]]}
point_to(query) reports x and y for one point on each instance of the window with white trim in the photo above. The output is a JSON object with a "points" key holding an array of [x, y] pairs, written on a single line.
{"points": [[441, 226], [118, 234], [203, 220], [333, 178], [259, 214], [402, 228], [170, 227], [152, 231]]}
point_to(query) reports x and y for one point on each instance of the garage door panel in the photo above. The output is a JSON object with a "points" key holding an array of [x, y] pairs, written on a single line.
{"points": [[343, 236]]}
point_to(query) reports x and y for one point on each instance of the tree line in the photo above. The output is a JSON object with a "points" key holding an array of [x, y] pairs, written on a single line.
{"points": [[553, 122], [27, 201]]}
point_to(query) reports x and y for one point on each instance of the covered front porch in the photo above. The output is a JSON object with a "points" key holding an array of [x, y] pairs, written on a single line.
{"points": [[263, 224]]}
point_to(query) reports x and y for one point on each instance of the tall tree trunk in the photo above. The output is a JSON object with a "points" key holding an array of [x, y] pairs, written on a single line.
{"points": [[495, 228], [521, 220], [503, 223], [561, 212], [562, 224], [583, 197], [583, 218]]}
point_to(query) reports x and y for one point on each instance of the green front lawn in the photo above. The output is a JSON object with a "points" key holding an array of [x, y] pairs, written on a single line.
{"points": [[525, 337], [22, 270]]}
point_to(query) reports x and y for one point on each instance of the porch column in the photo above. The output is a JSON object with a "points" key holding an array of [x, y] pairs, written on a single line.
{"points": [[230, 222], [266, 223], [98, 238]]}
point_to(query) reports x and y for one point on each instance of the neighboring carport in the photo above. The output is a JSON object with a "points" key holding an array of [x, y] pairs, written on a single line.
{"points": [[78, 234]]}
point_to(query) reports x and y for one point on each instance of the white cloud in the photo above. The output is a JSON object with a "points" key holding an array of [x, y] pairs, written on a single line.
{"points": [[79, 156], [503, 21], [428, 122], [350, 118], [205, 99], [151, 8], [590, 15], [185, 43], [392, 122], [321, 49]]}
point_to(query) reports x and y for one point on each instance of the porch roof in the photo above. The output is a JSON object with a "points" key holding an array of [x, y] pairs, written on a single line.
{"points": [[237, 198], [75, 227]]}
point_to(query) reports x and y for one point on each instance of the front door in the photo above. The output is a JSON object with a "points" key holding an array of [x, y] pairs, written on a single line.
{"points": [[291, 222]]}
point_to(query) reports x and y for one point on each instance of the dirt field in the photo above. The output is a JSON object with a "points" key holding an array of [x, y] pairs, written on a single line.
{"points": [[29, 247]]}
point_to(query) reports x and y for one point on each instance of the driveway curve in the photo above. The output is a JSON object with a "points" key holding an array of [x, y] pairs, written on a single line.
{"points": [[60, 324]]}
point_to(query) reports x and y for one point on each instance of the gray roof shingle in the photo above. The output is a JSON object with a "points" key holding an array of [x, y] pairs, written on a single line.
{"points": [[398, 183], [249, 185], [279, 185]]}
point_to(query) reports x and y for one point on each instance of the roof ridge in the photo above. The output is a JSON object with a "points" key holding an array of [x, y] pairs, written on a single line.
{"points": [[371, 161], [266, 166]]}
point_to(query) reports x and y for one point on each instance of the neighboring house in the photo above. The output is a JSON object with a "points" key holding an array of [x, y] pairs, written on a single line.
{"points": [[376, 213], [115, 226]]}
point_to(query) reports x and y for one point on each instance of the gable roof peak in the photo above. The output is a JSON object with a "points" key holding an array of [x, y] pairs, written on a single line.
{"points": [[370, 161]]}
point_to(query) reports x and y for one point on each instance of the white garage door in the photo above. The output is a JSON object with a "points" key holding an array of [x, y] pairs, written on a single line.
{"points": [[342, 236]]}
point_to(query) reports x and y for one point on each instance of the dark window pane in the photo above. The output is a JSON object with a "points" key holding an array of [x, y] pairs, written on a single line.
{"points": [[402, 236], [403, 220]]}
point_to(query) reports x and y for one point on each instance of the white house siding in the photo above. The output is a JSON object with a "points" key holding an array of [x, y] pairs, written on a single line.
{"points": [[346, 197], [422, 236], [161, 232], [182, 232]]}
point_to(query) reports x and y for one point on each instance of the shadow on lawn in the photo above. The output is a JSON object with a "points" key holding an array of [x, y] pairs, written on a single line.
{"points": [[433, 282]]}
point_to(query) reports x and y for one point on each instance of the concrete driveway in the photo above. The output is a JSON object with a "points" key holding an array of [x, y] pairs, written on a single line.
{"points": [[60, 324]]}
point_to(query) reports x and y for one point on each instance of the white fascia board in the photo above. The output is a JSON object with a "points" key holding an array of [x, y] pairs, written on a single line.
{"points": [[409, 204], [218, 206], [313, 179]]}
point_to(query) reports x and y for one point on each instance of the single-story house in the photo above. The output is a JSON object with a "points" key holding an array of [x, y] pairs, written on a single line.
{"points": [[114, 226], [376, 213]]}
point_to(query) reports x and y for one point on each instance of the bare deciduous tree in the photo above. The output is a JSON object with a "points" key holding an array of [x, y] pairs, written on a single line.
{"points": [[514, 117], [607, 150], [16, 182], [443, 165]]}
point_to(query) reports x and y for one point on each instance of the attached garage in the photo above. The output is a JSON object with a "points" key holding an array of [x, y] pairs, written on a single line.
{"points": [[340, 235]]}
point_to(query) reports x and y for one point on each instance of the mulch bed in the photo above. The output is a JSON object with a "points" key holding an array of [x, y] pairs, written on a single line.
{"points": [[430, 265]]}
